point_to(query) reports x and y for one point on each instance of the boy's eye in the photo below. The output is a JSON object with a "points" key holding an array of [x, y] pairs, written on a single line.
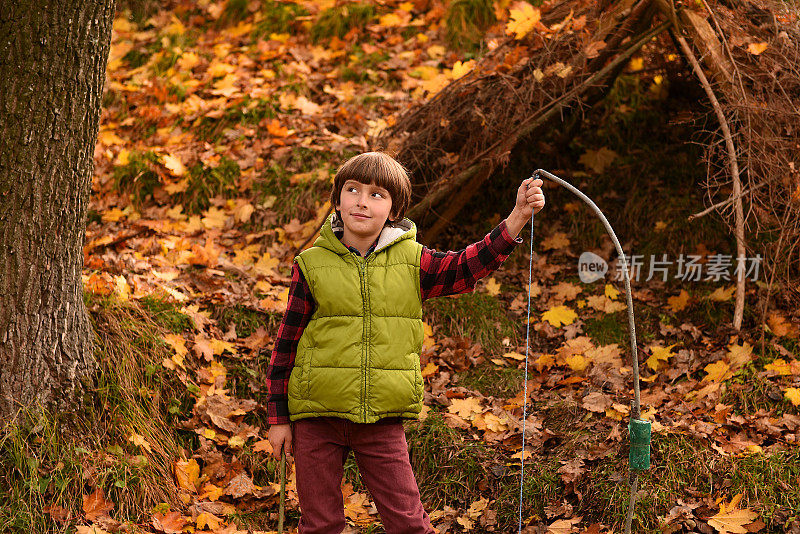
{"points": [[352, 187]]}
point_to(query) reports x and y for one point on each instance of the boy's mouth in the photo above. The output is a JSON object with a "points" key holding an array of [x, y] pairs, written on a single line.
{"points": [[359, 216]]}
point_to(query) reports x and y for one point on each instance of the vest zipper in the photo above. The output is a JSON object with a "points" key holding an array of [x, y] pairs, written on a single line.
{"points": [[362, 268]]}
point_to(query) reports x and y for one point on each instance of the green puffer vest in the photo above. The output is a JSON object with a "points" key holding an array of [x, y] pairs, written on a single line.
{"points": [[358, 357]]}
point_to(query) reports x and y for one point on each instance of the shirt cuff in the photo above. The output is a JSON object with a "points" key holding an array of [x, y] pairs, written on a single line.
{"points": [[504, 243]]}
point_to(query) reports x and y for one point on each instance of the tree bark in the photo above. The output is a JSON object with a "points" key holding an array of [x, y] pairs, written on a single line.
{"points": [[53, 58]]}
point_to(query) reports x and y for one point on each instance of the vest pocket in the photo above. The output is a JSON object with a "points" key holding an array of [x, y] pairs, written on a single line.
{"points": [[419, 384]]}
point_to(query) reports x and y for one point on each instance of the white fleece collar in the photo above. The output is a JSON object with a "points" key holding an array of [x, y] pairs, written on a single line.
{"points": [[388, 235]]}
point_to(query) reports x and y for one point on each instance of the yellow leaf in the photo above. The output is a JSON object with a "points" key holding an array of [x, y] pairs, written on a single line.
{"points": [[678, 302], [466, 408], [476, 508], [556, 241], [173, 164], [721, 294], [739, 355], [660, 354], [236, 442], [266, 265], [430, 369], [636, 63], [718, 371], [780, 326], [460, 69], [793, 395], [577, 362], [210, 492], [465, 522], [559, 315], [428, 341], [390, 19], [522, 19], [611, 292], [113, 215], [598, 160], [187, 474], [514, 355], [545, 360], [139, 441], [214, 218], [492, 287], [604, 304], [757, 48], [207, 519], [784, 368], [178, 187], [566, 291], [731, 519]]}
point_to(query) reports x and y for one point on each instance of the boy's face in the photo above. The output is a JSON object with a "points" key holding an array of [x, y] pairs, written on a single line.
{"points": [[364, 208]]}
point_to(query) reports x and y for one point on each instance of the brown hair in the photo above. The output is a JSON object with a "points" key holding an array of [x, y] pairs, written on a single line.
{"points": [[380, 169]]}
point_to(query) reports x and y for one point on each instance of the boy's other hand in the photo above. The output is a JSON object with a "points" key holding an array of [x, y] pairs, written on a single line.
{"points": [[530, 197], [280, 436]]}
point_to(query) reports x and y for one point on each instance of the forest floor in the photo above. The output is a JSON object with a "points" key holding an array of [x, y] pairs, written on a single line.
{"points": [[222, 128]]}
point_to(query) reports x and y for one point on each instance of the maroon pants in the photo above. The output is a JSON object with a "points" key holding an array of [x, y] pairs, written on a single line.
{"points": [[320, 447]]}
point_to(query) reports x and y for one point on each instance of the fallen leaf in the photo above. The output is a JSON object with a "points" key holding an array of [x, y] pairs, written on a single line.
{"points": [[659, 354], [731, 519], [96, 505], [678, 302], [757, 48], [492, 287], [559, 315]]}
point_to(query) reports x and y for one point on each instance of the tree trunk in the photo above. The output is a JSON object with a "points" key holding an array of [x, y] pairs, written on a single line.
{"points": [[53, 58]]}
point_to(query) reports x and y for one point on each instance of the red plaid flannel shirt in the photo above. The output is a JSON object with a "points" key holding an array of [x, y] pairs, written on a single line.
{"points": [[441, 274]]}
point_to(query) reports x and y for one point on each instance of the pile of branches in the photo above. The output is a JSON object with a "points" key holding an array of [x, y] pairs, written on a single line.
{"points": [[462, 135], [752, 49], [454, 142]]}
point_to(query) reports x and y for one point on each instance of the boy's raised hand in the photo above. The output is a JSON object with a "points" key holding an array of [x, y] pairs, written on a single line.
{"points": [[530, 197]]}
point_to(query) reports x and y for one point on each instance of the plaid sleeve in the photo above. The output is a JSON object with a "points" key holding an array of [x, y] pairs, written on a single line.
{"points": [[299, 308], [453, 273]]}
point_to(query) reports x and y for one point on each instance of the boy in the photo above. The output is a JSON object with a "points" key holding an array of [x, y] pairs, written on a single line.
{"points": [[345, 370]]}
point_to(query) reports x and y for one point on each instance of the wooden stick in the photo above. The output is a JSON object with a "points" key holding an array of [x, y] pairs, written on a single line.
{"points": [[723, 203], [738, 311], [283, 489]]}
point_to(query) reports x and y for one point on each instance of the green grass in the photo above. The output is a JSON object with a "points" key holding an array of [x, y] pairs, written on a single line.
{"points": [[609, 328], [278, 17], [137, 178], [477, 316], [52, 457], [166, 314], [341, 19], [447, 467], [466, 22], [489, 379], [206, 182]]}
